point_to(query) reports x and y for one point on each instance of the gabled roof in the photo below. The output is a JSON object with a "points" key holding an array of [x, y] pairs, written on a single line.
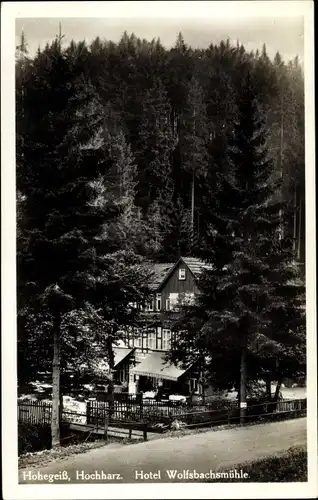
{"points": [[121, 353], [195, 265], [160, 272], [101, 363]]}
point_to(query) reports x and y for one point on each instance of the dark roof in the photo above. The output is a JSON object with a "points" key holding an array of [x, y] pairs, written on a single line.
{"points": [[163, 271], [160, 272], [195, 265]]}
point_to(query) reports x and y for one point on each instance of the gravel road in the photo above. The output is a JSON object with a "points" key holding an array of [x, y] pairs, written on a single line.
{"points": [[150, 461]]}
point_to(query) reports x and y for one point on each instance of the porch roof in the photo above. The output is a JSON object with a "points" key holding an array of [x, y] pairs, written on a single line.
{"points": [[121, 353], [154, 365]]}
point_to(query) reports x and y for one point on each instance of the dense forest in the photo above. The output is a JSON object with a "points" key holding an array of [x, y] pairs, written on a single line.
{"points": [[129, 153], [165, 116]]}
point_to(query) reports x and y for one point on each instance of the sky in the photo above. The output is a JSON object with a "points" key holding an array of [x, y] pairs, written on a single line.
{"points": [[283, 34]]}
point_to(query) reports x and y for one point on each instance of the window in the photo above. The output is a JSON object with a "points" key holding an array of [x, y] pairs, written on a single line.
{"points": [[136, 340], [144, 345], [166, 339], [167, 304], [159, 332], [173, 300], [158, 301], [193, 385], [122, 376], [149, 306], [182, 274], [152, 340]]}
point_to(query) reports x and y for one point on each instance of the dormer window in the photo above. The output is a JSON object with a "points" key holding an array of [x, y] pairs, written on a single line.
{"points": [[182, 274]]}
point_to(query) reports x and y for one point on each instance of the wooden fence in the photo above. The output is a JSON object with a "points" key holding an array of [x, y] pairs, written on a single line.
{"points": [[138, 410], [34, 412], [120, 397], [156, 413], [263, 412]]}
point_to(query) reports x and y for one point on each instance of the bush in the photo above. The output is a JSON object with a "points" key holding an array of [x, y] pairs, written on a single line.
{"points": [[33, 438], [37, 437]]}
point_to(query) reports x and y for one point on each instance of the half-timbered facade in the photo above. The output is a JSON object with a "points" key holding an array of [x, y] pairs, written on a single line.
{"points": [[172, 284]]}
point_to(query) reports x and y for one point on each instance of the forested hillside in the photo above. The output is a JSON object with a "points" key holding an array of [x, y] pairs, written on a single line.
{"points": [[166, 116]]}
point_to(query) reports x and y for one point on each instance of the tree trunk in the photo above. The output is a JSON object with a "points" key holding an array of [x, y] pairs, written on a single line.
{"points": [[55, 422], [277, 390], [299, 230], [202, 378], [111, 362], [295, 220], [243, 379], [268, 388], [61, 404], [281, 213], [192, 209]]}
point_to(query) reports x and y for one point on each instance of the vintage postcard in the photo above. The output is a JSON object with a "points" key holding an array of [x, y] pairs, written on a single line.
{"points": [[159, 254]]}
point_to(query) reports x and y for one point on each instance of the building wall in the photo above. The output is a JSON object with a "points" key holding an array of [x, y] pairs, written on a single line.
{"points": [[175, 285], [159, 338], [153, 339], [121, 375]]}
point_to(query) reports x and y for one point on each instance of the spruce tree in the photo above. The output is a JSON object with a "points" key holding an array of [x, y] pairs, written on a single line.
{"points": [[154, 147], [62, 153], [194, 151], [82, 119], [248, 290]]}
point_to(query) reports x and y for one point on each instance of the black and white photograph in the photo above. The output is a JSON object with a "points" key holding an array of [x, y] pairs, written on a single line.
{"points": [[159, 216]]}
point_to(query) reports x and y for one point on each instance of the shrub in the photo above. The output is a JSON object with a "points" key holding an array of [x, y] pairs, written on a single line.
{"points": [[33, 438], [37, 437]]}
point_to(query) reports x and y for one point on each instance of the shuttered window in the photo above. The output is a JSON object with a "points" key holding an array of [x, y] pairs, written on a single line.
{"points": [[182, 274]]}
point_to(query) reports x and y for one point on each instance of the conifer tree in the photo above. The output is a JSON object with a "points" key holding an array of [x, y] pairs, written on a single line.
{"points": [[154, 146], [61, 154], [194, 150], [248, 286], [103, 133], [63, 238]]}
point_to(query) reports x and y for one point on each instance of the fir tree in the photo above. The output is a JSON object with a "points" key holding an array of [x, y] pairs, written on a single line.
{"points": [[70, 131], [248, 286], [194, 151], [155, 145], [22, 49], [63, 153]]}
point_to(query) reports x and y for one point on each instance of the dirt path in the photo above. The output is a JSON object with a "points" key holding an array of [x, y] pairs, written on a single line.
{"points": [[150, 461]]}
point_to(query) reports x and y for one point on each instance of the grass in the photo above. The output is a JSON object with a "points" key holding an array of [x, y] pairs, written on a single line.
{"points": [[44, 457], [288, 466]]}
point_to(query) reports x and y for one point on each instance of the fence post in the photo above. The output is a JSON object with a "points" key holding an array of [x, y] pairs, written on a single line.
{"points": [[88, 411], [145, 432], [105, 425], [141, 406]]}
